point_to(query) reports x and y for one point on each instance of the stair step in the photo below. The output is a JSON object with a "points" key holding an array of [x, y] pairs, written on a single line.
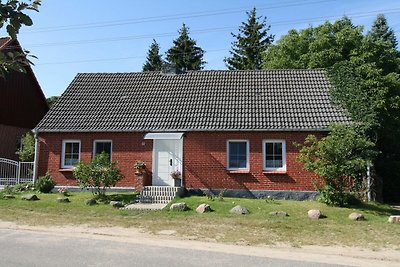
{"points": [[159, 194]]}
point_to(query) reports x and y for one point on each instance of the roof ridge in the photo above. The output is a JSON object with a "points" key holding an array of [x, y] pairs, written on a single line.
{"points": [[205, 71]]}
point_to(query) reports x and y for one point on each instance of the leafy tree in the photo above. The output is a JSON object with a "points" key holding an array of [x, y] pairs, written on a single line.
{"points": [[251, 42], [52, 100], [97, 175], [315, 47], [380, 30], [185, 54], [340, 159], [12, 16], [27, 150], [154, 61], [365, 74]]}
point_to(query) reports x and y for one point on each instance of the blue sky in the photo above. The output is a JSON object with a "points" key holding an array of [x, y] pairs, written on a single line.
{"points": [[74, 36]]}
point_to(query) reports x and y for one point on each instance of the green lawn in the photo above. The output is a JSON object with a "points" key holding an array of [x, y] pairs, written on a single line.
{"points": [[258, 227]]}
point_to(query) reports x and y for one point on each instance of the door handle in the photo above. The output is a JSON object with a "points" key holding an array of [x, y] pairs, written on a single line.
{"points": [[170, 162]]}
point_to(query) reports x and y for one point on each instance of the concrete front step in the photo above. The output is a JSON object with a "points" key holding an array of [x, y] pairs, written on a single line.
{"points": [[159, 194]]}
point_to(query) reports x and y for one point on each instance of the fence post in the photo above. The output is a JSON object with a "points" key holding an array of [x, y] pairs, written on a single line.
{"points": [[18, 172]]}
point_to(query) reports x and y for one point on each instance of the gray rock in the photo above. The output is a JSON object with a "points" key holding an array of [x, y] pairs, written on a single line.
{"points": [[30, 197], [203, 208], [279, 213], [239, 210], [394, 219], [91, 202], [356, 216], [8, 196], [116, 204], [314, 214], [62, 199], [179, 206]]}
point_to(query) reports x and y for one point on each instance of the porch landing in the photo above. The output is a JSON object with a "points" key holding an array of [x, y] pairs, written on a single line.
{"points": [[146, 206]]}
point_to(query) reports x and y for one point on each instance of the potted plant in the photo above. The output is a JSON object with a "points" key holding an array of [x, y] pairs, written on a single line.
{"points": [[177, 176], [140, 167]]}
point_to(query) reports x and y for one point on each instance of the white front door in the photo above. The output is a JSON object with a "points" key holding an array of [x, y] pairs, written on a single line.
{"points": [[167, 158]]}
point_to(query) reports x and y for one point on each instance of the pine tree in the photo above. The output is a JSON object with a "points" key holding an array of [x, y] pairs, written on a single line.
{"points": [[380, 30], [154, 61], [184, 54], [251, 41]]}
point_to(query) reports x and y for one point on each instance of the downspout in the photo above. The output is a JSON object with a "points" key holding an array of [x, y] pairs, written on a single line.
{"points": [[36, 156]]}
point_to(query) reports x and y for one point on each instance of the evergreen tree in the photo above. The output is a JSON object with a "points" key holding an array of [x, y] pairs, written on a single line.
{"points": [[154, 61], [184, 54], [251, 42], [380, 30]]}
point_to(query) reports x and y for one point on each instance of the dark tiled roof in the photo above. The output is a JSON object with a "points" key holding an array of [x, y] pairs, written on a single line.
{"points": [[204, 100]]}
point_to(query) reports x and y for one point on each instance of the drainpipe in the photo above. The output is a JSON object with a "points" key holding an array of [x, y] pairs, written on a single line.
{"points": [[35, 161]]}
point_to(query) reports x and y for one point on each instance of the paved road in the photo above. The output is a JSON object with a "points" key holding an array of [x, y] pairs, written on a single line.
{"points": [[28, 248]]}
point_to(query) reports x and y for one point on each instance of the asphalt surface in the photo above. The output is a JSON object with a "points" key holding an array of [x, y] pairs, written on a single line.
{"points": [[28, 248]]}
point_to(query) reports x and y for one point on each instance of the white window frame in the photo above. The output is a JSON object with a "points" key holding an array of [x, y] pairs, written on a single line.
{"points": [[64, 142], [283, 168], [101, 140], [247, 154]]}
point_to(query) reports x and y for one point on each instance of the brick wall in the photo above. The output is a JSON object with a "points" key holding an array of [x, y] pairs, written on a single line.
{"points": [[8, 140], [204, 157]]}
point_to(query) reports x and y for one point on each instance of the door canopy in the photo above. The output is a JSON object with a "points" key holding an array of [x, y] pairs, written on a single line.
{"points": [[164, 136]]}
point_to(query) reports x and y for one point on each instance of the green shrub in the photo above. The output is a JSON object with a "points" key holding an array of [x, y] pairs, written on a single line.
{"points": [[97, 175], [9, 190], [45, 183], [22, 187]]}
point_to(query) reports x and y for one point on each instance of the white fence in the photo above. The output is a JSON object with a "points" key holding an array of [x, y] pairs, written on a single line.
{"points": [[15, 172]]}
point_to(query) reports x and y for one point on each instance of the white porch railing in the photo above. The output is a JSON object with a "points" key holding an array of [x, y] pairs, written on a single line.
{"points": [[14, 172]]}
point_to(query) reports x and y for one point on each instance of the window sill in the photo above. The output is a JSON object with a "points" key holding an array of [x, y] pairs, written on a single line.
{"points": [[66, 170], [274, 172], [238, 171]]}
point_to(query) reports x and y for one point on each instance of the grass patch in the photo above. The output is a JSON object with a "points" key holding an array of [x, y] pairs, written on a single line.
{"points": [[256, 228]]}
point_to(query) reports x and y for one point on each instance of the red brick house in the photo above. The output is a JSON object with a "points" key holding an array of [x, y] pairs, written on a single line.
{"points": [[221, 129], [22, 104]]}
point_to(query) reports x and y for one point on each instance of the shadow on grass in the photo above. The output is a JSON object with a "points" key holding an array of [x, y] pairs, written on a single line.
{"points": [[125, 198], [379, 209]]}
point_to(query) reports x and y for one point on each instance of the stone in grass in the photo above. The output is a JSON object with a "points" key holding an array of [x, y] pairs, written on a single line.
{"points": [[314, 214], [62, 200], [178, 206], [356, 216], [8, 196], [30, 197], [279, 213], [91, 202], [202, 208], [394, 219], [116, 204], [239, 210]]}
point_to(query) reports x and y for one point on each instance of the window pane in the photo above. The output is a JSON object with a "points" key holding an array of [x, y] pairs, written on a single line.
{"points": [[269, 148], [68, 148], [103, 147], [237, 155], [278, 148], [274, 155]]}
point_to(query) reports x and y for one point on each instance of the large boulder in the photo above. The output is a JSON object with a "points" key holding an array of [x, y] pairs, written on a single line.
{"points": [[394, 219], [279, 213], [202, 208], [179, 206], [30, 197], [62, 200], [314, 214], [356, 216], [91, 202], [116, 204], [239, 210]]}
